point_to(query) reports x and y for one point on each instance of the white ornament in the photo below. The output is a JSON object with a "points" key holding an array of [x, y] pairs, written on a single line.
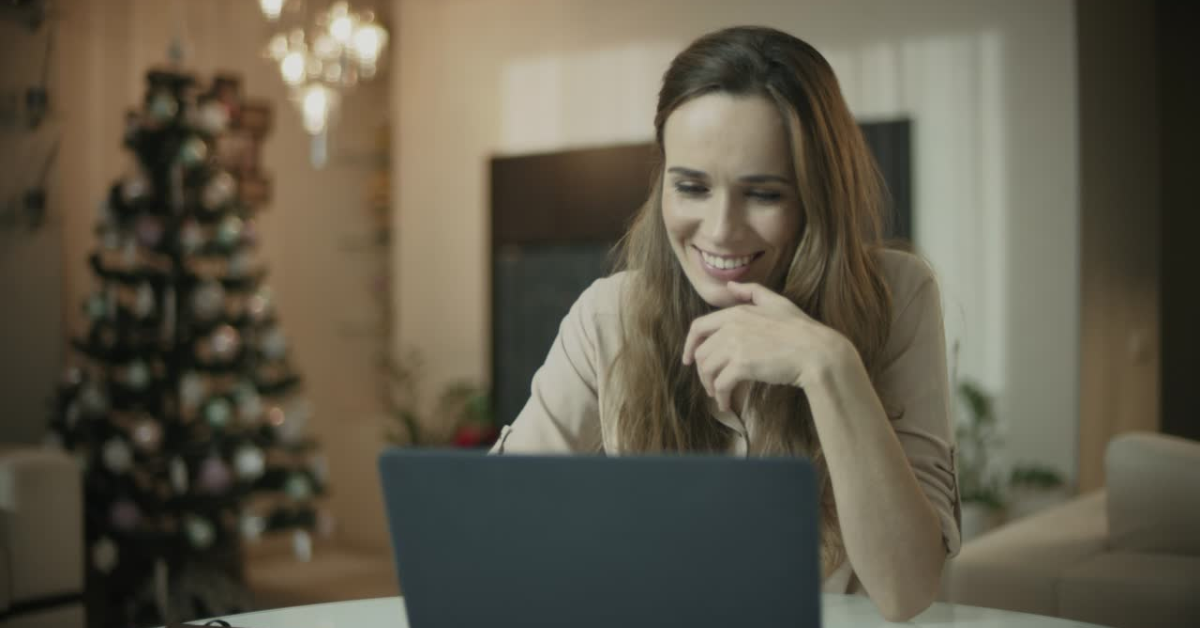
{"points": [[200, 532], [212, 117], [252, 527], [274, 344], [118, 456], [249, 462], [138, 375], [92, 399], [179, 476], [192, 390], [302, 545], [218, 191], [144, 304], [298, 487], [208, 300], [104, 555]]}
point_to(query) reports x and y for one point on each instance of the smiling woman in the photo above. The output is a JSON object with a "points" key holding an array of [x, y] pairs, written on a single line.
{"points": [[758, 313]]}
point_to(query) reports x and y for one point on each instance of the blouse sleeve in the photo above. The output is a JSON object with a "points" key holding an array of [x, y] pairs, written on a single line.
{"points": [[562, 414], [914, 388]]}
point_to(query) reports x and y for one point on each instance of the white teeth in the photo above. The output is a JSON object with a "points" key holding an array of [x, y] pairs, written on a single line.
{"points": [[726, 263]]}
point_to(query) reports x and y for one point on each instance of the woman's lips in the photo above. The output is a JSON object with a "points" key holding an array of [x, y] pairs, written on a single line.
{"points": [[724, 274]]}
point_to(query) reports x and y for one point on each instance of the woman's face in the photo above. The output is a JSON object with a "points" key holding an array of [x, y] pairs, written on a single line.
{"points": [[729, 198]]}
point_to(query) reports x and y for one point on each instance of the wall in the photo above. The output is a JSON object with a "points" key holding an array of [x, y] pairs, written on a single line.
{"points": [[1179, 100], [1121, 197], [991, 88], [30, 261], [312, 233]]}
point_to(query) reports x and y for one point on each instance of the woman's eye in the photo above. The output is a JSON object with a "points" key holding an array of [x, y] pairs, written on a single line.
{"points": [[690, 189], [765, 196]]}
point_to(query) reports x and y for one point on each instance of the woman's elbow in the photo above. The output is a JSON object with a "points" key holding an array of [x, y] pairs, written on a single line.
{"points": [[911, 595]]}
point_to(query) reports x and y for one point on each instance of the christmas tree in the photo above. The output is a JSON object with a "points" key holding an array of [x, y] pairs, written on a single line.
{"points": [[181, 405]]}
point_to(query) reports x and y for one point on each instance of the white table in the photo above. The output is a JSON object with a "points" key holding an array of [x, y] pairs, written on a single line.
{"points": [[838, 611]]}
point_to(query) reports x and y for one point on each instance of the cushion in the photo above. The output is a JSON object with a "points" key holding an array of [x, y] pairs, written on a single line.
{"points": [[1133, 590], [1153, 483]]}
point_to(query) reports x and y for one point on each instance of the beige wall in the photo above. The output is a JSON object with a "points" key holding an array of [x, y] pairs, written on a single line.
{"points": [[313, 233], [991, 88]]}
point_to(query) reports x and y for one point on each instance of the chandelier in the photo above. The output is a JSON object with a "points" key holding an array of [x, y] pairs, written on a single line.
{"points": [[321, 59]]}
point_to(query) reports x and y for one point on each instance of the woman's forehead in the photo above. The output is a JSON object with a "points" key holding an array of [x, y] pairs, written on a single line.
{"points": [[727, 136]]}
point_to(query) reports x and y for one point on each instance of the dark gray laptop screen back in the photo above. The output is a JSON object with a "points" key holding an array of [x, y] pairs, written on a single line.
{"points": [[517, 541]]}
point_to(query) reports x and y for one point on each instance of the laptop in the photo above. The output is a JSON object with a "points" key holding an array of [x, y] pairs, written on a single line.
{"points": [[595, 542]]}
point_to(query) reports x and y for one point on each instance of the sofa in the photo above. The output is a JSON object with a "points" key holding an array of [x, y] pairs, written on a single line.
{"points": [[1126, 556], [41, 539]]}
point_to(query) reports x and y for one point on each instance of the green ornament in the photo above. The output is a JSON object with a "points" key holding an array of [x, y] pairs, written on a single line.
{"points": [[138, 375], [163, 107], [97, 307], [193, 152], [218, 412], [229, 231], [298, 487]]}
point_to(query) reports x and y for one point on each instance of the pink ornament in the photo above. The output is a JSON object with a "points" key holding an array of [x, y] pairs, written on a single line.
{"points": [[125, 515], [225, 342], [214, 476], [149, 231]]}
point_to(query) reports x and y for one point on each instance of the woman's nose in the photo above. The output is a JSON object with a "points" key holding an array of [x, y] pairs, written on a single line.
{"points": [[723, 221]]}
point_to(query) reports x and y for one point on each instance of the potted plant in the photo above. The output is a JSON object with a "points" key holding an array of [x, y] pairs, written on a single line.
{"points": [[463, 414]]}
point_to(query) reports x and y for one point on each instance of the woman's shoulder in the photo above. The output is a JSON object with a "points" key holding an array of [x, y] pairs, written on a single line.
{"points": [[907, 275], [599, 306]]}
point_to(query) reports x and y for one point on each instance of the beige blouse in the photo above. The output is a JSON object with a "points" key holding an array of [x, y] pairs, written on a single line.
{"points": [[564, 414]]}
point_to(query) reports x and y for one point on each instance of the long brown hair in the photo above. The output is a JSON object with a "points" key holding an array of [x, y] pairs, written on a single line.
{"points": [[834, 275]]}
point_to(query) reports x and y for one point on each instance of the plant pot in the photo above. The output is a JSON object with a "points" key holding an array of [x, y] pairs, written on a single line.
{"points": [[978, 519]]}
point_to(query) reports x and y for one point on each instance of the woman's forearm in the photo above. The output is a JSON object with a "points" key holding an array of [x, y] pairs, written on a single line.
{"points": [[891, 533]]}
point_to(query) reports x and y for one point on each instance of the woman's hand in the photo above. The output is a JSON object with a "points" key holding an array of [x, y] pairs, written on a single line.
{"points": [[765, 339]]}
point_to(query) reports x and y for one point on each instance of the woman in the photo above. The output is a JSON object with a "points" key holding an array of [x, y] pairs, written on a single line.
{"points": [[758, 313]]}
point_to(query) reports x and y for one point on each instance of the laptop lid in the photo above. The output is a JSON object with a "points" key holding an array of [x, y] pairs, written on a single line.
{"points": [[526, 541]]}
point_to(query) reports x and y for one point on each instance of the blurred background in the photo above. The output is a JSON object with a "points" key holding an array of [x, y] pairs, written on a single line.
{"points": [[431, 183]]}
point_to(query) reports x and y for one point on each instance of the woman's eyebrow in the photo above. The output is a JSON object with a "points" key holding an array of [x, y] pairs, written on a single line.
{"points": [[750, 178]]}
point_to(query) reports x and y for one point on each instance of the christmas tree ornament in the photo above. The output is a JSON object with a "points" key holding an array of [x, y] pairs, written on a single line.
{"points": [[252, 527], [129, 254], [208, 300], [191, 237], [229, 231], [117, 455], [275, 416], [225, 342], [104, 555], [137, 375], [214, 476], [163, 107], [302, 545], [92, 399], [249, 463], [72, 414], [96, 307], [147, 434], [326, 524], [110, 240], [259, 305], [274, 344], [298, 487], [200, 532], [193, 152], [143, 303], [320, 468], [249, 405], [149, 230], [124, 515], [219, 191], [250, 231], [135, 187], [211, 117], [217, 412], [239, 264], [72, 376], [178, 473], [192, 390], [291, 430]]}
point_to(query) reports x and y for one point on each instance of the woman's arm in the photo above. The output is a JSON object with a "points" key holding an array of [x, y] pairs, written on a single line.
{"points": [[893, 478]]}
